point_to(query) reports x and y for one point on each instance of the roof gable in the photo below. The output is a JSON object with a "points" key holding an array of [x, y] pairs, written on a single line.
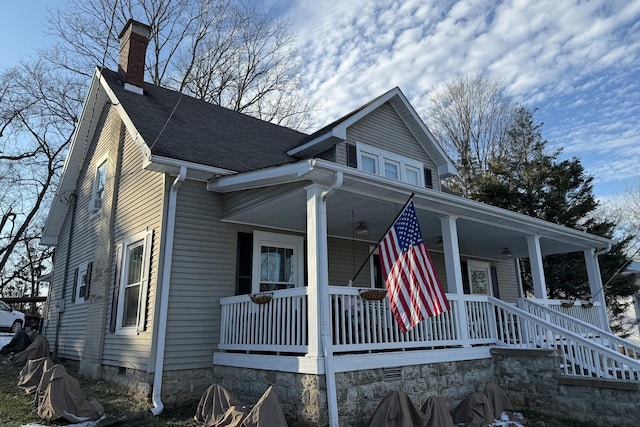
{"points": [[336, 132]]}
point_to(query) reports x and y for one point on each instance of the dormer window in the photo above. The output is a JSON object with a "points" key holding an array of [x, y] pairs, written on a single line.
{"points": [[389, 165]]}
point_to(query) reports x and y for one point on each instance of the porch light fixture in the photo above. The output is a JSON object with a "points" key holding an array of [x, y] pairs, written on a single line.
{"points": [[506, 254], [362, 228]]}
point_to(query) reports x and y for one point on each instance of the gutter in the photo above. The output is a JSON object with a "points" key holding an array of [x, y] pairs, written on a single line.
{"points": [[158, 406], [67, 259], [603, 251]]}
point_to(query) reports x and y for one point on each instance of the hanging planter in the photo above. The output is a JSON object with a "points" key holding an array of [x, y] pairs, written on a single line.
{"points": [[587, 304], [373, 294], [567, 304], [262, 298]]}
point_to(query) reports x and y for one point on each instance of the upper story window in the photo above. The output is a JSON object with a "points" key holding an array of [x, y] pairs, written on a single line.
{"points": [[390, 165], [97, 192], [277, 261]]}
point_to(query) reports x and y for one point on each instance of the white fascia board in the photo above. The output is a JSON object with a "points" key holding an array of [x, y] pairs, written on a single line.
{"points": [[334, 133], [137, 138], [446, 167], [72, 164], [518, 221], [195, 170], [473, 210], [262, 177], [340, 130]]}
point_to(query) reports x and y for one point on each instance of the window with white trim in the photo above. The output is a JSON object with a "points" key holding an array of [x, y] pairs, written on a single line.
{"points": [[97, 192], [82, 280], [277, 261], [133, 259], [479, 277], [390, 165]]}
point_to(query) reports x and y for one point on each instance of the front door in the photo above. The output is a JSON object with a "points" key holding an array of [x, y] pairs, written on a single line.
{"points": [[479, 277]]}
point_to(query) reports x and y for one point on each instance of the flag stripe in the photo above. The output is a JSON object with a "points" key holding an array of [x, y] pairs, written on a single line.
{"points": [[412, 284]]}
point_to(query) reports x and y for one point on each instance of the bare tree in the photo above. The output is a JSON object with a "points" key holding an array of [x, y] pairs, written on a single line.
{"points": [[37, 108], [625, 208], [471, 115], [223, 51]]}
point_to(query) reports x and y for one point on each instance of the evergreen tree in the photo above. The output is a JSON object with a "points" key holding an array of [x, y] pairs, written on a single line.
{"points": [[530, 179]]}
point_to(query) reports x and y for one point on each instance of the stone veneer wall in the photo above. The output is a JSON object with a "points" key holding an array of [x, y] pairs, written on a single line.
{"points": [[532, 379], [178, 387], [304, 400]]}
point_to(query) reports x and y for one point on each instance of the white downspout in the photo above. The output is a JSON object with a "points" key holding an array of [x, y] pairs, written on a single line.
{"points": [[158, 406]]}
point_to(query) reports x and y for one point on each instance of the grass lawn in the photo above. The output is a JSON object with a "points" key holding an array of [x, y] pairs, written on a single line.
{"points": [[123, 408]]}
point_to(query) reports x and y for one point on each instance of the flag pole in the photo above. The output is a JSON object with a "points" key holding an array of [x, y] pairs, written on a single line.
{"points": [[380, 240]]}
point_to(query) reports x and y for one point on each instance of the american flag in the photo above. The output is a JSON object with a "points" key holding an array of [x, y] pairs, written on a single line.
{"points": [[412, 284]]}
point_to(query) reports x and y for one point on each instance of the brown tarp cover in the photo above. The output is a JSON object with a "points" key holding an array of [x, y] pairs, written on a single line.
{"points": [[436, 412], [397, 410], [267, 412], [474, 411], [32, 372], [59, 396], [218, 407], [499, 401], [38, 348]]}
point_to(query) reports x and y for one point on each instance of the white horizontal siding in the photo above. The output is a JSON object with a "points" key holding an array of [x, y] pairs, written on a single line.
{"points": [[203, 271], [383, 128], [140, 208]]}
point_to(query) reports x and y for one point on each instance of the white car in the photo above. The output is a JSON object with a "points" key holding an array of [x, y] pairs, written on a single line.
{"points": [[10, 319]]}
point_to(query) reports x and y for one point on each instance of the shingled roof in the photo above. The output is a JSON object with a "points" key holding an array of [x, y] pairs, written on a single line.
{"points": [[201, 132]]}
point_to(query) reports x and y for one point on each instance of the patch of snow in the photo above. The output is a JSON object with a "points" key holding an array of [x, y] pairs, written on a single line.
{"points": [[84, 424], [5, 338]]}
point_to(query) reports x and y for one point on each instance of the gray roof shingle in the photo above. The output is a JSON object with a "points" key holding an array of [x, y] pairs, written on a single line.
{"points": [[203, 133]]}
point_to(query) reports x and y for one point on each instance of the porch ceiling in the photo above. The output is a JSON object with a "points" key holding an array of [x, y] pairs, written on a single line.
{"points": [[483, 231]]}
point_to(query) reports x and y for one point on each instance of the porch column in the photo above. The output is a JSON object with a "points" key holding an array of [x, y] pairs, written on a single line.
{"points": [[595, 285], [317, 269], [537, 270], [454, 274]]}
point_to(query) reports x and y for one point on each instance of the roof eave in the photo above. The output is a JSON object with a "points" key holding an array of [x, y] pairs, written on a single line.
{"points": [[72, 163], [319, 170]]}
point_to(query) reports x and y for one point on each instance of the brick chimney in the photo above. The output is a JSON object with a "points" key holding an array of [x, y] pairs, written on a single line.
{"points": [[133, 49]]}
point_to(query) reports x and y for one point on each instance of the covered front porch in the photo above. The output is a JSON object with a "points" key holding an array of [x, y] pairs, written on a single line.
{"points": [[315, 312]]}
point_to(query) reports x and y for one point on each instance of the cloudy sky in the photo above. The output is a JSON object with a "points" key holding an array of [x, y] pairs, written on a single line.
{"points": [[576, 61]]}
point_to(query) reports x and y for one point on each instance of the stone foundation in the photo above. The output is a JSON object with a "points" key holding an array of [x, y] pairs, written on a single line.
{"points": [[178, 387], [532, 379], [304, 397]]}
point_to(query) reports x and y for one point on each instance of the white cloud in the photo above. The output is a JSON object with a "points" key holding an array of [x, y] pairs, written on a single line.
{"points": [[575, 61]]}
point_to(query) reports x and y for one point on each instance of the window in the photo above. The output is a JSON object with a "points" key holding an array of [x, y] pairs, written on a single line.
{"points": [[413, 175], [277, 261], [82, 281], [369, 163], [375, 270], [99, 181], [389, 165], [130, 293], [479, 277]]}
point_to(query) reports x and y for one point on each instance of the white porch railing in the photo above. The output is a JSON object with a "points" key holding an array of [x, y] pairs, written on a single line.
{"points": [[580, 327], [582, 357], [278, 326], [581, 311], [358, 325]]}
